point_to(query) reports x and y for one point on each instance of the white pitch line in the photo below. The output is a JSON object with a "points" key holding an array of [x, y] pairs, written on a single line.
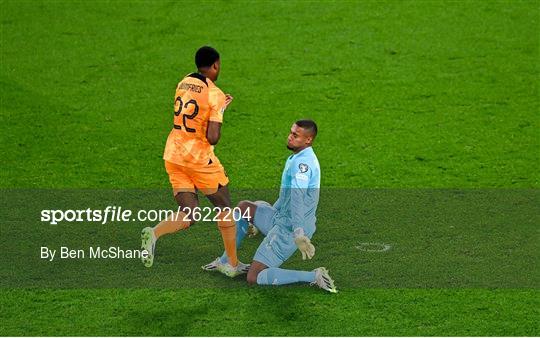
{"points": [[374, 247]]}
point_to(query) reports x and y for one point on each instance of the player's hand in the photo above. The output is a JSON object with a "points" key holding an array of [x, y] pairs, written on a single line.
{"points": [[304, 245], [228, 100]]}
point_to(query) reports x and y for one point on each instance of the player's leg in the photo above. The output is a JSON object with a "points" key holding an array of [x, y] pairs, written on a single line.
{"points": [[212, 181], [244, 208], [259, 212], [247, 209], [181, 219], [275, 249], [278, 276], [174, 223], [259, 273], [222, 200], [254, 271], [186, 197], [262, 216], [184, 194]]}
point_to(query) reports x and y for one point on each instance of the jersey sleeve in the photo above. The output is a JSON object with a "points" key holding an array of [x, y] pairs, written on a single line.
{"points": [[216, 101], [279, 202], [300, 173]]}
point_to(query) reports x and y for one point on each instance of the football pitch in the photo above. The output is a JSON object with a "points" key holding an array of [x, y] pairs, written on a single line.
{"points": [[428, 115]]}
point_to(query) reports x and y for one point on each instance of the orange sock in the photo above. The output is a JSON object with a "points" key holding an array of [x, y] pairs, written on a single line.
{"points": [[171, 225], [227, 227]]}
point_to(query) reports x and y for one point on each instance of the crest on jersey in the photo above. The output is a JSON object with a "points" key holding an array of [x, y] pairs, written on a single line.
{"points": [[303, 167]]}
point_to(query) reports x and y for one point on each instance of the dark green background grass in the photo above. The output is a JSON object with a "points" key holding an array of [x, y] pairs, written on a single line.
{"points": [[406, 95]]}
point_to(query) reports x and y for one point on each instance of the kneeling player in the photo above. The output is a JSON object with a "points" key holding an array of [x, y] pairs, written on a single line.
{"points": [[290, 223]]}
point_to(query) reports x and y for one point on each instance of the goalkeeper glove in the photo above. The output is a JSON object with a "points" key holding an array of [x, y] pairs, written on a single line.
{"points": [[252, 231], [303, 243]]}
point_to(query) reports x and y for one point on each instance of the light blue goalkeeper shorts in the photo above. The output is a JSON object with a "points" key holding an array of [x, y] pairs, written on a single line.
{"points": [[278, 245], [264, 217]]}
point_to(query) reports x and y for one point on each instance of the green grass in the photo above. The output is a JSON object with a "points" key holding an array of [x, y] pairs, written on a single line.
{"points": [[407, 95], [273, 311]]}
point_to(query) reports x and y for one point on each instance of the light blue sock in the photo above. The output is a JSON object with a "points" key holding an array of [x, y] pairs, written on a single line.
{"points": [[241, 231], [277, 276]]}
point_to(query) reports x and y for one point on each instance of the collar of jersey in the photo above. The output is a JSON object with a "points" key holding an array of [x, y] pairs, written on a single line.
{"points": [[303, 151]]}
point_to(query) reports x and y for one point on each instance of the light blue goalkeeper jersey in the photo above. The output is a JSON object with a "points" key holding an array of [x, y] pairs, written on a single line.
{"points": [[299, 192]]}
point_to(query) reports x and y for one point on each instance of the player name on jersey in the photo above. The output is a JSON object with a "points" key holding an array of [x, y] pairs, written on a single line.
{"points": [[190, 86]]}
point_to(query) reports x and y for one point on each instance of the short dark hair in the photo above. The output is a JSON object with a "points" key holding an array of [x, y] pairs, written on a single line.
{"points": [[308, 125], [206, 56]]}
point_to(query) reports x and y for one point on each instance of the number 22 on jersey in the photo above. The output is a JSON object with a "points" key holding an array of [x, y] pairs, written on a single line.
{"points": [[183, 112]]}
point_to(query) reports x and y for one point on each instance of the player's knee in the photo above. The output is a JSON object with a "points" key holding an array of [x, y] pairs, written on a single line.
{"points": [[247, 209], [244, 205], [221, 198]]}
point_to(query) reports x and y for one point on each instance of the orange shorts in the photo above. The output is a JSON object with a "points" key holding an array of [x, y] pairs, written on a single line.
{"points": [[207, 179]]}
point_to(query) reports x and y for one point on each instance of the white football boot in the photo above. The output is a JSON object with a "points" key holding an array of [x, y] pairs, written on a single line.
{"points": [[230, 271], [323, 280], [148, 243], [226, 268], [212, 266]]}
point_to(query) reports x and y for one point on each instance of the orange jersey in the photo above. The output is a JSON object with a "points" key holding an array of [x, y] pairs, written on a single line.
{"points": [[197, 101]]}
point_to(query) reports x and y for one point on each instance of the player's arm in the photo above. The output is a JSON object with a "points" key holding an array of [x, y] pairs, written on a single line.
{"points": [[213, 132], [218, 103], [282, 191], [279, 202], [299, 187]]}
